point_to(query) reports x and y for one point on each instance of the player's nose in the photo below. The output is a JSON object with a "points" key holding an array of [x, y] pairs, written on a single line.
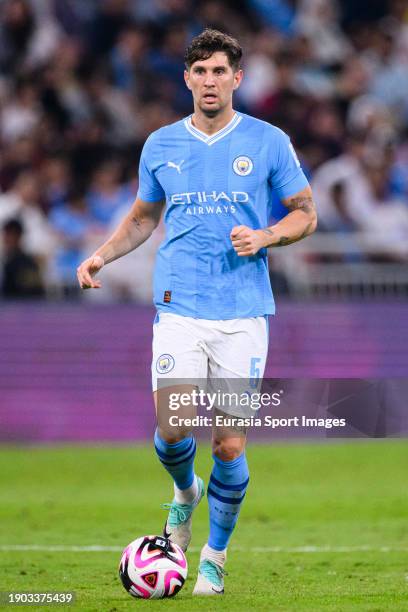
{"points": [[209, 80]]}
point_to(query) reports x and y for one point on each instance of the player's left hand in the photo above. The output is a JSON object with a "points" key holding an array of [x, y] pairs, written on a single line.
{"points": [[246, 241]]}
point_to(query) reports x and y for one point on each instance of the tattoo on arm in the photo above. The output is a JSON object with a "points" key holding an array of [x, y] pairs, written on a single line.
{"points": [[304, 203], [137, 223], [136, 220], [284, 240]]}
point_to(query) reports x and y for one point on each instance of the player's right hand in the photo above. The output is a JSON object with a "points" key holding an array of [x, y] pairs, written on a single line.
{"points": [[87, 270]]}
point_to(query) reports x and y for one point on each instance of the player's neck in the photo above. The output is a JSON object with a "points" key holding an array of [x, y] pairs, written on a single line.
{"points": [[211, 125]]}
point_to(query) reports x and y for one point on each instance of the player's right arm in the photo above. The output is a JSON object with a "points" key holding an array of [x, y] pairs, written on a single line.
{"points": [[135, 228]]}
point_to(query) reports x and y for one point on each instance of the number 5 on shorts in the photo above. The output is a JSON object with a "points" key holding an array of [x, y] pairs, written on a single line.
{"points": [[255, 372]]}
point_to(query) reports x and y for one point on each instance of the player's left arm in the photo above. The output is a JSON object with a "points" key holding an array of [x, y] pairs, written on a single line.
{"points": [[301, 221]]}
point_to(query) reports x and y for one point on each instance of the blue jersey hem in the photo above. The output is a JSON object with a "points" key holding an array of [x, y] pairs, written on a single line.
{"points": [[209, 317]]}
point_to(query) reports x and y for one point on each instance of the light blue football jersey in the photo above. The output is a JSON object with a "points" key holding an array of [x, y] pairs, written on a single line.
{"points": [[211, 184]]}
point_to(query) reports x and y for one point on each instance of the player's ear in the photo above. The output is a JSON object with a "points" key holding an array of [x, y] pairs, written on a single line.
{"points": [[238, 78], [186, 79]]}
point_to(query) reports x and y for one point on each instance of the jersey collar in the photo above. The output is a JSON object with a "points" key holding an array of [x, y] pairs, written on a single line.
{"points": [[210, 140]]}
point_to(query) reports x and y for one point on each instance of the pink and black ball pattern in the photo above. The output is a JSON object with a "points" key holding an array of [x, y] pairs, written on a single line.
{"points": [[153, 567]]}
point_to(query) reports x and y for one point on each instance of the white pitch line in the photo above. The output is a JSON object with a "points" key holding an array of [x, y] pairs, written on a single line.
{"points": [[252, 549]]}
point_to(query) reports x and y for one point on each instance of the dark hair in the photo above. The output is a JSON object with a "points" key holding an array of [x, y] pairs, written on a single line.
{"points": [[14, 226], [210, 41]]}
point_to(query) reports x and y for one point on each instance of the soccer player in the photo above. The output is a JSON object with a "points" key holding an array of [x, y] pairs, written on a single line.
{"points": [[213, 174]]}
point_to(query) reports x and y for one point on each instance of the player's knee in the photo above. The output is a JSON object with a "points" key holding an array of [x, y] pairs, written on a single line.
{"points": [[228, 449], [174, 435]]}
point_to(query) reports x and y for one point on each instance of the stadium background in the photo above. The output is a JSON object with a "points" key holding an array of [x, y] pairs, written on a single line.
{"points": [[82, 84]]}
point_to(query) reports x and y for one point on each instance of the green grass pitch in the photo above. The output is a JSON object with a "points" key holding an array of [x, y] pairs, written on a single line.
{"points": [[346, 501]]}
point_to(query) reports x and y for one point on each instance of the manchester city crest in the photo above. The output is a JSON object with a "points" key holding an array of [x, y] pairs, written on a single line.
{"points": [[164, 364], [242, 165]]}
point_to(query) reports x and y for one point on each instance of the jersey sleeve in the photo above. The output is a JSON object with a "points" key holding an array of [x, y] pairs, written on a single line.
{"points": [[286, 175], [150, 189]]}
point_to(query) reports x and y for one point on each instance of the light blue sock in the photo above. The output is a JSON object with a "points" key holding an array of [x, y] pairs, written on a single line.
{"points": [[177, 459], [226, 491]]}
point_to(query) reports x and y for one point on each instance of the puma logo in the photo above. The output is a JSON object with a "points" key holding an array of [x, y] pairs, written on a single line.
{"points": [[171, 164]]}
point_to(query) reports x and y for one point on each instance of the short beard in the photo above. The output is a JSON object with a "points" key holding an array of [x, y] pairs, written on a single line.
{"points": [[211, 113]]}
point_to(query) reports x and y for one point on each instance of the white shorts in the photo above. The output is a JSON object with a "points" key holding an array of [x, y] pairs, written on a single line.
{"points": [[187, 348]]}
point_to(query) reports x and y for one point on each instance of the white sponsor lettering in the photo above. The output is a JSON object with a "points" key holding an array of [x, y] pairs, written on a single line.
{"points": [[222, 195], [189, 197], [240, 196], [210, 210]]}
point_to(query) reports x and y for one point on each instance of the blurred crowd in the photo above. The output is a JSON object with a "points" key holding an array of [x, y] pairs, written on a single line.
{"points": [[82, 84]]}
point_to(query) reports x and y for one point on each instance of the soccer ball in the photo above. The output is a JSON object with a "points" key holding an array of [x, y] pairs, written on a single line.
{"points": [[153, 567]]}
